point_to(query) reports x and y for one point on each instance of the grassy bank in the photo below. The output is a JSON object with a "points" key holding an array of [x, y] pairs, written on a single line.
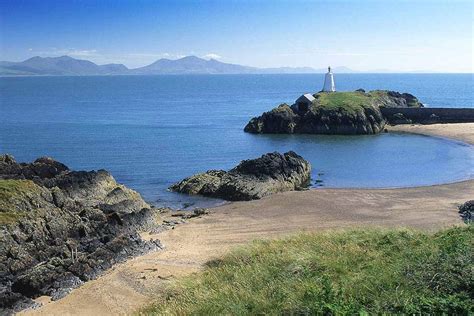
{"points": [[394, 271]]}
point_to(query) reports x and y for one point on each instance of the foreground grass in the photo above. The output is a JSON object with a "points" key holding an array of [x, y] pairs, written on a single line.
{"points": [[390, 271]]}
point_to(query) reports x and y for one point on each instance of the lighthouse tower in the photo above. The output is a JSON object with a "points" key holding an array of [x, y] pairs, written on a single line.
{"points": [[329, 85]]}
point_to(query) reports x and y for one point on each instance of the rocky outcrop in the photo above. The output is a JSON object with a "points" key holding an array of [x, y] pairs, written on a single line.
{"points": [[346, 113], [251, 179], [466, 211], [60, 228], [394, 99], [285, 120]]}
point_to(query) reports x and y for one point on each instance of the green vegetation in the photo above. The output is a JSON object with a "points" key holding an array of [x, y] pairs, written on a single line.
{"points": [[352, 272], [13, 195], [14, 190], [377, 93], [9, 217], [350, 102]]}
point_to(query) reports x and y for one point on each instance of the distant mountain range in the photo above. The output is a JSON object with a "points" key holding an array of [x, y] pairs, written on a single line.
{"points": [[68, 66], [64, 65]]}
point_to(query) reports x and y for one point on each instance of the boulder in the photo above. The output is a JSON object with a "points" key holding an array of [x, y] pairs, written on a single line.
{"points": [[466, 211], [251, 179]]}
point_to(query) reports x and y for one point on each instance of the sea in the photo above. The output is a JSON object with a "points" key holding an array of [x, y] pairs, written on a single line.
{"points": [[151, 131]]}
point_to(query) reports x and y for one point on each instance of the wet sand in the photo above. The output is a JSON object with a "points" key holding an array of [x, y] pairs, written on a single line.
{"points": [[132, 284], [460, 131]]}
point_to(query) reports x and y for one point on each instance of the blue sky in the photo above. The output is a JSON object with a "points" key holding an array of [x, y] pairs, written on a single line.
{"points": [[363, 35]]}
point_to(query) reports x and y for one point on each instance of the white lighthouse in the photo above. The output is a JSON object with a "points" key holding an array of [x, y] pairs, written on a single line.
{"points": [[329, 85]]}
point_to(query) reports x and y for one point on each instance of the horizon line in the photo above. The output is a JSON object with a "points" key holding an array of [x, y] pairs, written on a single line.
{"points": [[352, 71]]}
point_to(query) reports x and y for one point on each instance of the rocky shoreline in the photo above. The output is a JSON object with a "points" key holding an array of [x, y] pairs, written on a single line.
{"points": [[232, 224], [60, 228], [334, 113], [251, 179]]}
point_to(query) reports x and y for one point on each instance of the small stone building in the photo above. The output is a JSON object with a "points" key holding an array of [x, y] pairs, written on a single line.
{"points": [[303, 102]]}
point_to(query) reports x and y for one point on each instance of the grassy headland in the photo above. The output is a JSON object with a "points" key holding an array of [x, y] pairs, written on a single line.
{"points": [[352, 272], [357, 101]]}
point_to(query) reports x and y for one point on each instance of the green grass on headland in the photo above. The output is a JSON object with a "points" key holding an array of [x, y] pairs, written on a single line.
{"points": [[352, 272], [9, 217], [351, 102], [13, 194]]}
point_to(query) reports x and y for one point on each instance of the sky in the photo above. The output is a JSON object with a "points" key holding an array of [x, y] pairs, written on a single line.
{"points": [[417, 35]]}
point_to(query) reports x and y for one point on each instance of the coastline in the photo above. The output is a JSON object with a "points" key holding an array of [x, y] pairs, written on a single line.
{"points": [[130, 285], [456, 131]]}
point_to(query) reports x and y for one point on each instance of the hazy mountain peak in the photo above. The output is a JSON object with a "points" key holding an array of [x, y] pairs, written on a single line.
{"points": [[33, 58], [65, 57], [190, 57]]}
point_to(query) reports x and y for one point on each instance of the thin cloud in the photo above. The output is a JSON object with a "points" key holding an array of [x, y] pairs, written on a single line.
{"points": [[408, 52], [212, 56], [66, 51], [82, 53], [327, 53], [155, 55]]}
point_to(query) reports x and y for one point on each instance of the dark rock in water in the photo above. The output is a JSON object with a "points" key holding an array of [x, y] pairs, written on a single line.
{"points": [[466, 211], [60, 228], [279, 120], [285, 120], [251, 179], [346, 113]]}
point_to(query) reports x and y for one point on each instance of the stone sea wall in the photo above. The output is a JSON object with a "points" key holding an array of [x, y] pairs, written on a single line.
{"points": [[427, 115]]}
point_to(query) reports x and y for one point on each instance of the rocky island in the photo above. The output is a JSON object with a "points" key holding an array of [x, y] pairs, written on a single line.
{"points": [[60, 228], [346, 113], [251, 179]]}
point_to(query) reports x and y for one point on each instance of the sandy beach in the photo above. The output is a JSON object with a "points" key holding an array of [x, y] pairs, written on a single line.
{"points": [[460, 131], [130, 285]]}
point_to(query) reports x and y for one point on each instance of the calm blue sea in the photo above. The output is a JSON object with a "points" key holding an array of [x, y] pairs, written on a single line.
{"points": [[151, 131]]}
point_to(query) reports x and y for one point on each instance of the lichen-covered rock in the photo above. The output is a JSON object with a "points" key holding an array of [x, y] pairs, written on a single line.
{"points": [[345, 113], [394, 99], [251, 179], [466, 211], [59, 228]]}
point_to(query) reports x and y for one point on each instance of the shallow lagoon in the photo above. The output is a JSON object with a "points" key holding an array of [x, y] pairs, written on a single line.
{"points": [[152, 131]]}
